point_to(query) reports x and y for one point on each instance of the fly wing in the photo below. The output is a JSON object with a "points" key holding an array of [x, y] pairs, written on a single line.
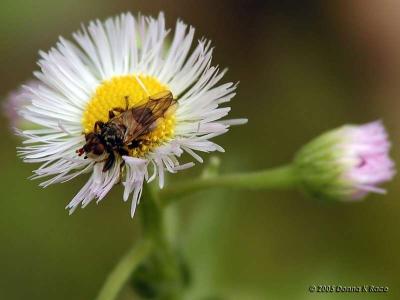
{"points": [[141, 119]]}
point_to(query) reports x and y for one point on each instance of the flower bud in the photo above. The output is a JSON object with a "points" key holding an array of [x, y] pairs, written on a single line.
{"points": [[346, 163], [14, 104]]}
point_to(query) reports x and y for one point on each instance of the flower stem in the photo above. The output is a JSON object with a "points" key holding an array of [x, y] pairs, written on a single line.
{"points": [[166, 276], [119, 276], [278, 178], [157, 246]]}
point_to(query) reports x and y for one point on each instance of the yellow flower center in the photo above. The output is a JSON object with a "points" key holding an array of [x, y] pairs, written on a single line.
{"points": [[112, 94]]}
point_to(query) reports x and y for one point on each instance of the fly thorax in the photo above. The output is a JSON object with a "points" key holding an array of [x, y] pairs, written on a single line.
{"points": [[113, 136]]}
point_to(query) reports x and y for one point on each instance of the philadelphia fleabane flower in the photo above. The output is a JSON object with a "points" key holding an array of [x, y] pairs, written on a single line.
{"points": [[123, 63], [14, 104], [346, 163]]}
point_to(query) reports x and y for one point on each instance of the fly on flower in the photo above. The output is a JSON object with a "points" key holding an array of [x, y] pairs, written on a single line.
{"points": [[128, 101], [127, 131]]}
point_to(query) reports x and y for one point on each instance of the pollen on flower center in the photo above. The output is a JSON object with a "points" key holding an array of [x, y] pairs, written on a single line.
{"points": [[112, 93]]}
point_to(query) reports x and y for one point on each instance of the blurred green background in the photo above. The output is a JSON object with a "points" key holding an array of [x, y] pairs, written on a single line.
{"points": [[304, 67]]}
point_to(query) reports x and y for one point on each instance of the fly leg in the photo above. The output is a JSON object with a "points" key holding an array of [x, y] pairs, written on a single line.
{"points": [[109, 162], [121, 168], [111, 113], [126, 102], [136, 143], [98, 125]]}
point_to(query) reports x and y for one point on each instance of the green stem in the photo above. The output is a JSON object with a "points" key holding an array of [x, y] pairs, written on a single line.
{"points": [[120, 275], [277, 178], [156, 242], [164, 255]]}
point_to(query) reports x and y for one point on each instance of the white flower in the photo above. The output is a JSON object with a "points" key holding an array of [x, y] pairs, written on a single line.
{"points": [[124, 58], [15, 103]]}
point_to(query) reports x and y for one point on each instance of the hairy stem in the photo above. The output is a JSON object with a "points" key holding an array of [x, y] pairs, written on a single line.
{"points": [[164, 255], [277, 178]]}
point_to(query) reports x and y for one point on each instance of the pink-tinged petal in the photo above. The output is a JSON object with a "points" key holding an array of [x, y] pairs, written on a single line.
{"points": [[370, 146], [346, 163], [15, 103]]}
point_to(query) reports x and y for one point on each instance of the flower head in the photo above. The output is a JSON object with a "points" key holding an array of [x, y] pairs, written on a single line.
{"points": [[15, 102], [346, 163], [120, 104]]}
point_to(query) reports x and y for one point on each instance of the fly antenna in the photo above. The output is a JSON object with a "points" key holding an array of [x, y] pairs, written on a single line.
{"points": [[142, 85]]}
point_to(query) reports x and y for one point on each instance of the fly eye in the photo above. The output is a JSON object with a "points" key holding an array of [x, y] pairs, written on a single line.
{"points": [[98, 149]]}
